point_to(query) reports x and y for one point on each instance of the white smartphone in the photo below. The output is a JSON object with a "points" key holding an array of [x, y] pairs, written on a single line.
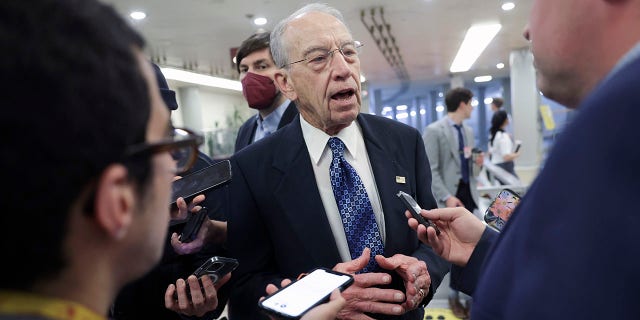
{"points": [[297, 298]]}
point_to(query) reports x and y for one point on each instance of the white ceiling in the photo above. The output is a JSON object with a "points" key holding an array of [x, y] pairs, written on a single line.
{"points": [[199, 34]]}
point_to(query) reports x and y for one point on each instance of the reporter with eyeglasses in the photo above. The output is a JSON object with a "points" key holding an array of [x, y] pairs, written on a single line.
{"points": [[152, 296]]}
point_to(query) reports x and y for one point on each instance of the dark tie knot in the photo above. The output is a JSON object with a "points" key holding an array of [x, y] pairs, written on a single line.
{"points": [[458, 126], [337, 146]]}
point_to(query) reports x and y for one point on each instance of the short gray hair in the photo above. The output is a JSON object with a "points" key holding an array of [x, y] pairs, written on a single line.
{"points": [[278, 48]]}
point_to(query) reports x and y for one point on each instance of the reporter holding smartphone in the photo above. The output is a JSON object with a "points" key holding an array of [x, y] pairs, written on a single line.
{"points": [[147, 297]]}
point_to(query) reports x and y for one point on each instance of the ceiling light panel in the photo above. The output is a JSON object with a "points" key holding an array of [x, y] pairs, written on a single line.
{"points": [[475, 41]]}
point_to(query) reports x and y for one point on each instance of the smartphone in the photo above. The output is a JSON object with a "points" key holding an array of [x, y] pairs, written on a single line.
{"points": [[216, 268], [296, 299], [501, 208], [200, 181], [518, 144], [191, 228], [415, 209]]}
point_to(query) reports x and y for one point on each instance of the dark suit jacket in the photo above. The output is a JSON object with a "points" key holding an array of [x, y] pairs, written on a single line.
{"points": [[571, 249], [248, 128], [278, 226]]}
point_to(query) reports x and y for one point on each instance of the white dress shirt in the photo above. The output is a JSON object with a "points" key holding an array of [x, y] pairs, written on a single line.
{"points": [[357, 156]]}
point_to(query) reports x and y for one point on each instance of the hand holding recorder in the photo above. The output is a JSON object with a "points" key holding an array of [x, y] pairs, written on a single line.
{"points": [[460, 233]]}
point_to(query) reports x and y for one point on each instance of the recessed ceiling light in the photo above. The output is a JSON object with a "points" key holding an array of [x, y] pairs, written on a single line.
{"points": [[137, 15], [260, 21], [482, 78], [508, 6], [362, 78], [200, 79], [500, 65]]}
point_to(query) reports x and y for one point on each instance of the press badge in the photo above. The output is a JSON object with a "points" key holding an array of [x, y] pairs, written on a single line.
{"points": [[467, 152]]}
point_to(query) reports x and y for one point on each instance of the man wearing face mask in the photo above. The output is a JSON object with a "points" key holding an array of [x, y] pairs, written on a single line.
{"points": [[256, 68]]}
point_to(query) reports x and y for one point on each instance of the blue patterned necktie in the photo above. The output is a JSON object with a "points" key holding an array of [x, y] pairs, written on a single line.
{"points": [[355, 208], [464, 164]]}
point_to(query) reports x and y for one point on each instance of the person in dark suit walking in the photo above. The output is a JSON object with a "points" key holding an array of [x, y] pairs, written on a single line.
{"points": [[570, 249], [256, 68], [287, 218]]}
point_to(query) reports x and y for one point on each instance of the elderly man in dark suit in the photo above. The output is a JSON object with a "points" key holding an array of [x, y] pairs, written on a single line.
{"points": [[288, 189], [570, 250]]}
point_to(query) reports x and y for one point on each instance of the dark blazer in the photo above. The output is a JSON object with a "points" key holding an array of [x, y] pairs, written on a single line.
{"points": [[571, 249], [278, 226], [248, 128]]}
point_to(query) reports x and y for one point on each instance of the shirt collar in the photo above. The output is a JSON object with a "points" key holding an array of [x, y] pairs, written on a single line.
{"points": [[270, 123], [316, 139], [29, 304]]}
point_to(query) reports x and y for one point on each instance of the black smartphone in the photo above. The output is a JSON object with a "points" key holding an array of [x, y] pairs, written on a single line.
{"points": [[296, 299], [518, 144], [194, 222], [200, 181], [216, 268], [415, 209], [501, 208]]}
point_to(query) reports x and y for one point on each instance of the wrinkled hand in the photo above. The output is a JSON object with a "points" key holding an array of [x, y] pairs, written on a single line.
{"points": [[363, 297], [414, 273], [325, 311], [200, 303], [460, 233]]}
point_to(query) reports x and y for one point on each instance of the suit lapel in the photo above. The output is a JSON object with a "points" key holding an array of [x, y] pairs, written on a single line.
{"points": [[298, 195]]}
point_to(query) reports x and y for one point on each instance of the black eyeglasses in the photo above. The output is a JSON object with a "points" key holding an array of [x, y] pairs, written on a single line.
{"points": [[182, 145], [318, 59]]}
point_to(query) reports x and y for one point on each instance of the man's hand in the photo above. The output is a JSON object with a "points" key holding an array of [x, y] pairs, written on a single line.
{"points": [[211, 231], [414, 273], [199, 303], [460, 233], [181, 210], [362, 296]]}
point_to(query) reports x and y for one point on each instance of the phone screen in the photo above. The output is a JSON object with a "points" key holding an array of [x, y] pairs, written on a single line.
{"points": [[193, 184], [501, 208], [300, 296]]}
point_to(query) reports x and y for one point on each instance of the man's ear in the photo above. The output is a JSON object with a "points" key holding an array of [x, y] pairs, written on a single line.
{"points": [[282, 80], [114, 201]]}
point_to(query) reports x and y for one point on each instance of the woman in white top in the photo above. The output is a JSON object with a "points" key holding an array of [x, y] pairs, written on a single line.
{"points": [[500, 144]]}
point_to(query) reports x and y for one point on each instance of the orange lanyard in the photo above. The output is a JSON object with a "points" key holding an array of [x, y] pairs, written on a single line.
{"points": [[20, 303]]}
